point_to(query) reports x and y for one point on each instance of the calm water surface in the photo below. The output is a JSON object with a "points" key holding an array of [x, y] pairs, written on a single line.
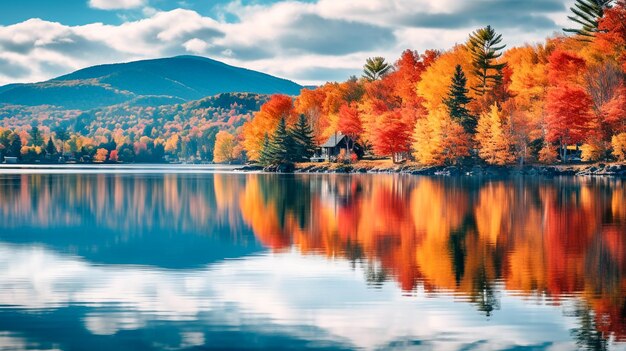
{"points": [[163, 259]]}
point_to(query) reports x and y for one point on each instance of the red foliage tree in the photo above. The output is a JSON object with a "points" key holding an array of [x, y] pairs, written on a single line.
{"points": [[113, 157], [350, 125], [569, 115], [568, 105], [391, 135]]}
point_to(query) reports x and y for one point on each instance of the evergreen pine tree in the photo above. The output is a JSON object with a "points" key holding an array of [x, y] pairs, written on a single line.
{"points": [[280, 148], [15, 146], [265, 158], [303, 143], [35, 136], [588, 14], [457, 100], [51, 149], [483, 45]]}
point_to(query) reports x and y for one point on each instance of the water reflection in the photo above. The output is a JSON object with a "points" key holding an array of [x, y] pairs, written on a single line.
{"points": [[182, 260]]}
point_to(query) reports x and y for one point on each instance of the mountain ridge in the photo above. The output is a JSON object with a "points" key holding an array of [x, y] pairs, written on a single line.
{"points": [[180, 78]]}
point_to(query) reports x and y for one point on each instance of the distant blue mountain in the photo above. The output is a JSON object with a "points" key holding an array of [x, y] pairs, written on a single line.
{"points": [[181, 78]]}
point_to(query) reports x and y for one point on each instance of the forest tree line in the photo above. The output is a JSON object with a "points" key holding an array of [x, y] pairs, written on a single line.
{"points": [[534, 103], [124, 133]]}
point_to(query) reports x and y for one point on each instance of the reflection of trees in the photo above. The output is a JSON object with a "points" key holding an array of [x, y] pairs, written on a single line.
{"points": [[375, 275], [484, 294], [586, 334], [471, 237], [129, 204], [556, 239]]}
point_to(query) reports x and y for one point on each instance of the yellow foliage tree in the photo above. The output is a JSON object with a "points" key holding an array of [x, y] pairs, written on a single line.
{"points": [[171, 145], [438, 140], [434, 85], [494, 138], [547, 154], [593, 149], [619, 146], [226, 149]]}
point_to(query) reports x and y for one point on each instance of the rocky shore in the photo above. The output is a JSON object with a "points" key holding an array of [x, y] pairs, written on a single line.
{"points": [[611, 170]]}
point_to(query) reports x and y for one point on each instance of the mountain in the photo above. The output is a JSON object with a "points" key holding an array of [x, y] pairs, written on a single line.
{"points": [[168, 80]]}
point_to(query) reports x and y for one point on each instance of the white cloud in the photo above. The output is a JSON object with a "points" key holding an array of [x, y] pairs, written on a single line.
{"points": [[196, 46], [273, 292], [290, 39], [116, 4]]}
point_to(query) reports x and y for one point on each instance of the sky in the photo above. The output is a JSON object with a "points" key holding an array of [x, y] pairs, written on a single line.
{"points": [[307, 41]]}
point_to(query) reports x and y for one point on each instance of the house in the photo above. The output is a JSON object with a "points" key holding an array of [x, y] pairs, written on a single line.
{"points": [[10, 159], [333, 146]]}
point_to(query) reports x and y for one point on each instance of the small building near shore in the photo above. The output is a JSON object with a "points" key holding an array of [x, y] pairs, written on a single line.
{"points": [[10, 159], [330, 150]]}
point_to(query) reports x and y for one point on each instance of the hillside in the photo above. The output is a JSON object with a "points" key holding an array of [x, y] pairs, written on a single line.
{"points": [[168, 80], [226, 111]]}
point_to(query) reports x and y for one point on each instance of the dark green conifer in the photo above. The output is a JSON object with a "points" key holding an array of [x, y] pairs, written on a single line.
{"points": [[457, 101], [281, 146], [483, 45], [265, 158], [51, 149], [303, 142], [588, 13]]}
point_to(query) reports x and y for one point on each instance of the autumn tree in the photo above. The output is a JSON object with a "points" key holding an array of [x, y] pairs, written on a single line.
{"points": [[375, 68], [614, 113], [113, 156], [439, 140], [391, 137], [618, 142], [485, 49], [493, 138], [568, 105], [350, 125], [547, 154], [101, 155], [225, 148], [434, 85], [610, 39], [457, 101], [310, 102], [587, 13], [279, 107], [303, 140], [407, 73]]}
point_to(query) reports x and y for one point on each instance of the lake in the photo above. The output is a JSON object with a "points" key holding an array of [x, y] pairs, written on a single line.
{"points": [[171, 258]]}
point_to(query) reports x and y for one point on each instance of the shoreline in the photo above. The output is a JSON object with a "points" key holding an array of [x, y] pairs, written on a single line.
{"points": [[597, 169], [613, 170]]}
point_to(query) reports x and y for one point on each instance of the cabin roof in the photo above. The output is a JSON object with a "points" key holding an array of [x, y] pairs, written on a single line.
{"points": [[334, 140]]}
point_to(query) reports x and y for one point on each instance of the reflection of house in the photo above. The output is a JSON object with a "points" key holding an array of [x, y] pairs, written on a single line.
{"points": [[333, 146]]}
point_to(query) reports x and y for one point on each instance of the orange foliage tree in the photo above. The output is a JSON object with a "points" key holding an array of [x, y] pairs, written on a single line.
{"points": [[438, 140], [101, 155], [265, 122]]}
